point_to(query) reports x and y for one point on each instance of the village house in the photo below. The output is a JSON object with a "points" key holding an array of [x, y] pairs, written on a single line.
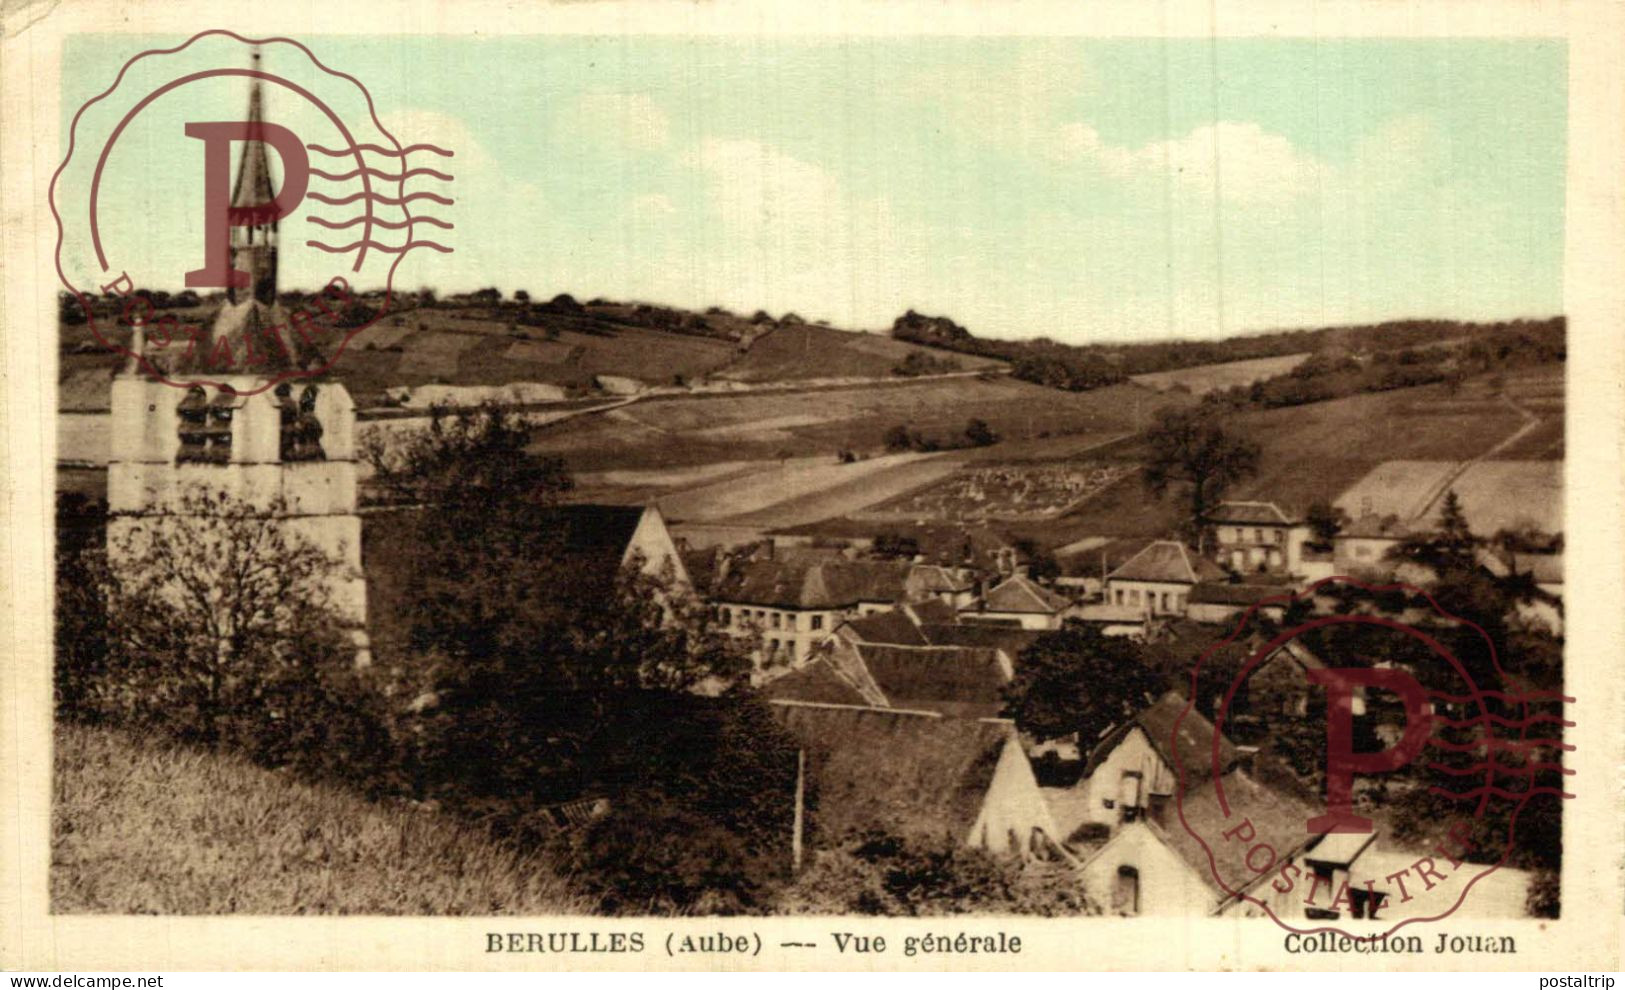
{"points": [[963, 681], [1257, 537], [1158, 580], [1221, 602], [1018, 601], [1361, 547], [1131, 772], [618, 537], [794, 598], [919, 775], [1155, 866]]}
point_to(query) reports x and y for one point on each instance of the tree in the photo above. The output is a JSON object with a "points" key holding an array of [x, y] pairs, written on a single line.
{"points": [[1076, 679], [521, 297], [896, 546], [898, 438], [1450, 548], [979, 434], [1325, 521], [216, 612], [1189, 451]]}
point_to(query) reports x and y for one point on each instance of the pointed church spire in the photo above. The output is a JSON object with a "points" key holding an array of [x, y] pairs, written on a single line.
{"points": [[253, 249]]}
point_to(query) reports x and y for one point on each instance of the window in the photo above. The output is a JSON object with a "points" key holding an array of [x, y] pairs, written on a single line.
{"points": [[1280, 536], [790, 648], [790, 621], [1258, 536], [1134, 596], [301, 438], [727, 617], [1128, 794], [1126, 894], [193, 414], [818, 622], [776, 620]]}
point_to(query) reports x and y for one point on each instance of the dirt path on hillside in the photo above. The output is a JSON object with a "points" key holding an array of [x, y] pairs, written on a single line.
{"points": [[1531, 421]]}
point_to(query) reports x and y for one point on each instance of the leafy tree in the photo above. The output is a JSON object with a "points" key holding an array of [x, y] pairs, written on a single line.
{"points": [[214, 612], [1325, 521], [1189, 451], [521, 297], [1076, 679], [898, 438], [979, 434]]}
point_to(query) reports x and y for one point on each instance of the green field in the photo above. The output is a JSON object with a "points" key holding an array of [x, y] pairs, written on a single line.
{"points": [[141, 827], [800, 351]]}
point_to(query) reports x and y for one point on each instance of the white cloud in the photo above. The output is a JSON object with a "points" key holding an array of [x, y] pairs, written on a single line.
{"points": [[1237, 161]]}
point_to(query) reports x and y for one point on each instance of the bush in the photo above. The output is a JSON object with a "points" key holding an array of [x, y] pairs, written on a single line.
{"points": [[885, 874]]}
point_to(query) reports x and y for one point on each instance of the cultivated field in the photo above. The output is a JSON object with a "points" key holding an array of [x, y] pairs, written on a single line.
{"points": [[1494, 494], [686, 431], [1310, 452], [802, 351], [1208, 377], [141, 827], [1006, 492]]}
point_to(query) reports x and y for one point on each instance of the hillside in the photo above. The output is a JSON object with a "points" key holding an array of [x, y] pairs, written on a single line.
{"points": [[1499, 436], [141, 827], [466, 341]]}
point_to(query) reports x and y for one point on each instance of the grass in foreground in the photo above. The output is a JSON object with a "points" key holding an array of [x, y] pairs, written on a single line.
{"points": [[140, 827]]}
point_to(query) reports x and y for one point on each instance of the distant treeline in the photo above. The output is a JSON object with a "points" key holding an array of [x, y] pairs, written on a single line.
{"points": [[1384, 355], [1331, 375]]}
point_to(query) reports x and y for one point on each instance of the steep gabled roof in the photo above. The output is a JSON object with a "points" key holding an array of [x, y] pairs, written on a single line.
{"points": [[887, 627], [1010, 639], [930, 610], [912, 774], [1021, 594], [1159, 720], [1166, 561], [1250, 513], [817, 680], [803, 583], [954, 680], [1278, 819]]}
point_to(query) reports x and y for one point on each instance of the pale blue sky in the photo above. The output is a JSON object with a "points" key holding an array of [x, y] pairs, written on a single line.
{"points": [[1082, 189]]}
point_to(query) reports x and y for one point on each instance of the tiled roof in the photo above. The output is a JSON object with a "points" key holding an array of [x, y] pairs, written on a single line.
{"points": [[1251, 513], [1167, 561], [1023, 595], [1010, 639], [812, 584], [1226, 593], [1159, 720], [954, 680], [887, 627], [817, 680], [913, 774], [1277, 816], [932, 610]]}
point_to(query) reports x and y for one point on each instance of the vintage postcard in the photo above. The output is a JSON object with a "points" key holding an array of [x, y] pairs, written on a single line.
{"points": [[749, 486]]}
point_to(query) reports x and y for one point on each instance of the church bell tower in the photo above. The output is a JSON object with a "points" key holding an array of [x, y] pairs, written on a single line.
{"points": [[286, 447]]}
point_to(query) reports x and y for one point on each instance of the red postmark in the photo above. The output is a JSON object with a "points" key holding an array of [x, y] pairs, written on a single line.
{"points": [[249, 220], [1428, 754]]}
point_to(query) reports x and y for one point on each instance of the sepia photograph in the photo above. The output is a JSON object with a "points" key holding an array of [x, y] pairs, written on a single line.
{"points": [[791, 478]]}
